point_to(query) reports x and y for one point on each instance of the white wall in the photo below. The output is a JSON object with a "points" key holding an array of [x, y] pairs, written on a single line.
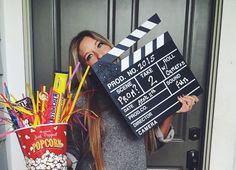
{"points": [[13, 67], [223, 153]]}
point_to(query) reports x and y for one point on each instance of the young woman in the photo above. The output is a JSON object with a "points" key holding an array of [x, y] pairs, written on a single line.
{"points": [[109, 143]]}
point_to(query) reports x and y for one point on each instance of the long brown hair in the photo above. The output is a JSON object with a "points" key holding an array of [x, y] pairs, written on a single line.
{"points": [[95, 128]]}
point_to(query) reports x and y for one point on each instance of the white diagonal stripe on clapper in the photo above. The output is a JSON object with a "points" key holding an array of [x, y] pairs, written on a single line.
{"points": [[148, 48], [149, 24], [138, 33], [124, 63], [127, 42], [116, 51], [137, 55], [160, 41]]}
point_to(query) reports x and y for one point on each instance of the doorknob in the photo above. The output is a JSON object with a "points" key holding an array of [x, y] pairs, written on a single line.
{"points": [[192, 160], [194, 133]]}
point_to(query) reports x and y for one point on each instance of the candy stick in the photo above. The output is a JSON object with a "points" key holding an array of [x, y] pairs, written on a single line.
{"points": [[65, 109], [77, 93], [46, 115]]}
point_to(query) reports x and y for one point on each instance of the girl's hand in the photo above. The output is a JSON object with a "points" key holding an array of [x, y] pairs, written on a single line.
{"points": [[69, 163], [187, 103]]}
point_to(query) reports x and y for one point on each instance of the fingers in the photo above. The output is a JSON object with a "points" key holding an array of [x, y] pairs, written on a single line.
{"points": [[187, 103]]}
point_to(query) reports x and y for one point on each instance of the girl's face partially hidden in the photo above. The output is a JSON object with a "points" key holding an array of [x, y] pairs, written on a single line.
{"points": [[92, 50]]}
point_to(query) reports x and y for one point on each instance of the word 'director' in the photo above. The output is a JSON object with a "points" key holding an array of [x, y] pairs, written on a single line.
{"points": [[144, 86]]}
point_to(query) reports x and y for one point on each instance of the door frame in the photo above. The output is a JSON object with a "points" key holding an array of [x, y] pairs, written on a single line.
{"points": [[212, 72]]}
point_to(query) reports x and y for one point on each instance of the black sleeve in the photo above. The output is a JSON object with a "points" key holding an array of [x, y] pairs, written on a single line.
{"points": [[71, 145], [76, 137]]}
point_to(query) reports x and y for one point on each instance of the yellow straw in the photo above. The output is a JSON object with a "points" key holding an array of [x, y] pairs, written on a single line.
{"points": [[37, 101], [36, 117], [36, 120], [43, 102], [32, 97], [23, 110], [77, 93], [13, 98], [5, 104]]}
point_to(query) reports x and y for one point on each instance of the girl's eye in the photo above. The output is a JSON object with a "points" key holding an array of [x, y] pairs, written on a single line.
{"points": [[100, 44], [88, 57]]}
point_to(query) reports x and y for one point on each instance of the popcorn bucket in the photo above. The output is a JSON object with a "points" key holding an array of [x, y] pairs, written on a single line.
{"points": [[44, 147]]}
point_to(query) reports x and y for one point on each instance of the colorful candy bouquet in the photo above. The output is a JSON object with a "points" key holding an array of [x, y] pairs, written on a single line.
{"points": [[40, 121]]}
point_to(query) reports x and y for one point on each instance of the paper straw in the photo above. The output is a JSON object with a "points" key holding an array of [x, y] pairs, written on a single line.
{"points": [[43, 102], [12, 110], [37, 101], [6, 133], [73, 74], [12, 97], [70, 79], [7, 92], [81, 124], [77, 92], [36, 121], [85, 114], [23, 110], [32, 97]]}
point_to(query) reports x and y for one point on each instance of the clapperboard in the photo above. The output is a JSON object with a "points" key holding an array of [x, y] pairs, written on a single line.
{"points": [[144, 85]]}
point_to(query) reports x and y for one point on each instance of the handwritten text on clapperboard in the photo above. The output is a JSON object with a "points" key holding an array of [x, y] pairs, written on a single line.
{"points": [[146, 84]]}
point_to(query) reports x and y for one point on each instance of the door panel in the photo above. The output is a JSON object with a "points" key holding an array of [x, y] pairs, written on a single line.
{"points": [[42, 43], [187, 21], [172, 15], [80, 15]]}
